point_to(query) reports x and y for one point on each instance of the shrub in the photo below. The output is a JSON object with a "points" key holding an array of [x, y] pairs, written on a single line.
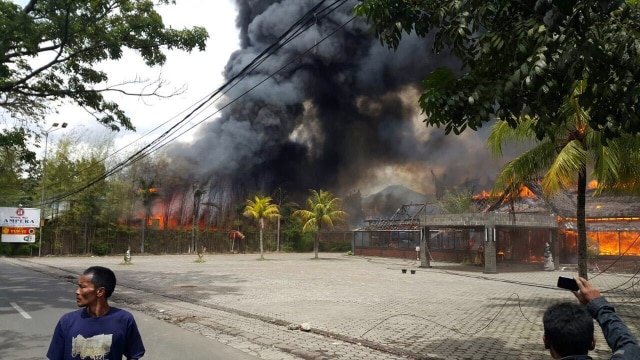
{"points": [[335, 246], [100, 249], [23, 250], [6, 249]]}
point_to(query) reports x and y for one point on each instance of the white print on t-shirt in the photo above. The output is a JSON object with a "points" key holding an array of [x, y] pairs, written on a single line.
{"points": [[94, 348]]}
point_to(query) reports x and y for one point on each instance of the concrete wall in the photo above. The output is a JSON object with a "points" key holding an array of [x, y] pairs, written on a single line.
{"points": [[482, 219], [386, 252]]}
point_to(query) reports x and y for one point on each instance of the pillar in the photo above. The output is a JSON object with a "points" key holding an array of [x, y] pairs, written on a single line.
{"points": [[425, 258], [555, 247], [490, 257]]}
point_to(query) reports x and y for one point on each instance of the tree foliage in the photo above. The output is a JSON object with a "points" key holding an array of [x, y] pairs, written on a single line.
{"points": [[17, 166], [261, 209], [562, 160], [323, 209], [457, 202], [49, 50], [522, 58], [148, 193], [280, 198], [68, 168]]}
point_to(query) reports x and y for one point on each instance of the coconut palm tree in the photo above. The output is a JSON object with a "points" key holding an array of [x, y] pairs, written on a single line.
{"points": [[323, 209], [261, 208], [561, 159]]}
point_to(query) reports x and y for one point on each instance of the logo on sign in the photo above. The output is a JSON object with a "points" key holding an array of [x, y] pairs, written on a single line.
{"points": [[20, 212], [18, 231]]}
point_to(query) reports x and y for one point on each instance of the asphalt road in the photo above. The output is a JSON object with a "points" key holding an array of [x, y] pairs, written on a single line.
{"points": [[357, 307], [32, 303]]}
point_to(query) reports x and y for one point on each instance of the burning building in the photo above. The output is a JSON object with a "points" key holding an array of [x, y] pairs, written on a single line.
{"points": [[332, 109], [396, 236], [613, 230], [514, 231]]}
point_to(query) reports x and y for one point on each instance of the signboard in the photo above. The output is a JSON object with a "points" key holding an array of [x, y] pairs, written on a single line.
{"points": [[18, 235], [19, 217]]}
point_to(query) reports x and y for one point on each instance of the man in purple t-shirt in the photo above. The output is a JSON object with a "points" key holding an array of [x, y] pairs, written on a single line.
{"points": [[97, 331]]}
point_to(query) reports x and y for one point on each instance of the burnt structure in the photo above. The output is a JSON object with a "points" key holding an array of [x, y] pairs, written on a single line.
{"points": [[495, 237], [613, 230], [397, 236], [514, 231]]}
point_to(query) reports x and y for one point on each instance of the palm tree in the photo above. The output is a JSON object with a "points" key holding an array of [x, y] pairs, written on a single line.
{"points": [[561, 159], [261, 208], [323, 209]]}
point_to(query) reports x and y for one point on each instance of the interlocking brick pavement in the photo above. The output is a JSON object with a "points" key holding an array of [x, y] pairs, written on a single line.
{"points": [[358, 308]]}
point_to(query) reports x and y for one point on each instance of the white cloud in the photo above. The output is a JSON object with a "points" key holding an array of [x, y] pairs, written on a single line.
{"points": [[198, 72]]}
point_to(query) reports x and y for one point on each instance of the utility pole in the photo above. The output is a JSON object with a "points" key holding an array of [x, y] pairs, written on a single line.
{"points": [[197, 196], [53, 128]]}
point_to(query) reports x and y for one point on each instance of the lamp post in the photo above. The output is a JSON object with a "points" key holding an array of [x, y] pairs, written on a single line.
{"points": [[197, 196], [53, 128]]}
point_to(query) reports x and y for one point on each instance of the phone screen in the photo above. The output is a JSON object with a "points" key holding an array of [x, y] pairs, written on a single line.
{"points": [[568, 283]]}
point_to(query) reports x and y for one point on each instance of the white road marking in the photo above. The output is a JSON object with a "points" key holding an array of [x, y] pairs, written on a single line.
{"points": [[19, 309]]}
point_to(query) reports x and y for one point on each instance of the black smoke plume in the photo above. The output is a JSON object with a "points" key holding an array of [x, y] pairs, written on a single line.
{"points": [[343, 116]]}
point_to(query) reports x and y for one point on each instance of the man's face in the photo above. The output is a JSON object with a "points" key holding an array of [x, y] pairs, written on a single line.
{"points": [[86, 293]]}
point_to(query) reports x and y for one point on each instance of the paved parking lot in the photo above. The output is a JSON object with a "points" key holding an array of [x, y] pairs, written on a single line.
{"points": [[357, 307]]}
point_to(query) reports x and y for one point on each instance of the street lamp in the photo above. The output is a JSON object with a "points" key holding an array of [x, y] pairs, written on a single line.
{"points": [[53, 128], [197, 197]]}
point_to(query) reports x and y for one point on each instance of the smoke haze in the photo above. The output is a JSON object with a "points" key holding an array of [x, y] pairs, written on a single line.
{"points": [[344, 116]]}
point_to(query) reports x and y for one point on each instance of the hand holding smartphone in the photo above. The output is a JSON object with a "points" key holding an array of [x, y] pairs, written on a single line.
{"points": [[568, 283]]}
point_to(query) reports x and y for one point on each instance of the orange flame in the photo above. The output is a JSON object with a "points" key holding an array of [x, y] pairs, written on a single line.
{"points": [[614, 242], [608, 243], [152, 190], [525, 192], [608, 219], [483, 195]]}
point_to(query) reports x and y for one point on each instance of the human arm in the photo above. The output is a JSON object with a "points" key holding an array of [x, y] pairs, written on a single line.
{"points": [[618, 336], [56, 347], [134, 348], [586, 292]]}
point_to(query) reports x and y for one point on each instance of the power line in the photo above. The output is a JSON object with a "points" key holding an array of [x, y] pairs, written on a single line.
{"points": [[308, 20]]}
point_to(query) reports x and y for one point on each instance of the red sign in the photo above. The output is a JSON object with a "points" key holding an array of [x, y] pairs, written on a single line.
{"points": [[18, 231]]}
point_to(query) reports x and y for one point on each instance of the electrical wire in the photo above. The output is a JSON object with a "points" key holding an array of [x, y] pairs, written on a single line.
{"points": [[494, 318], [457, 331], [284, 39], [308, 20], [251, 88], [617, 259]]}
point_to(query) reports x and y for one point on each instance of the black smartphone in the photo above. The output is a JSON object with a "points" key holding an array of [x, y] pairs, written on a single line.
{"points": [[568, 283]]}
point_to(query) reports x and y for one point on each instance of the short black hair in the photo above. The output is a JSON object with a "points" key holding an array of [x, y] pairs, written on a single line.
{"points": [[568, 328], [102, 277]]}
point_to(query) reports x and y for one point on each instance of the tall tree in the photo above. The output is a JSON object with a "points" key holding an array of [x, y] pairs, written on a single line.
{"points": [[522, 58], [261, 208], [90, 202], [280, 197], [68, 168], [148, 193], [49, 50], [562, 157], [18, 166], [323, 209]]}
